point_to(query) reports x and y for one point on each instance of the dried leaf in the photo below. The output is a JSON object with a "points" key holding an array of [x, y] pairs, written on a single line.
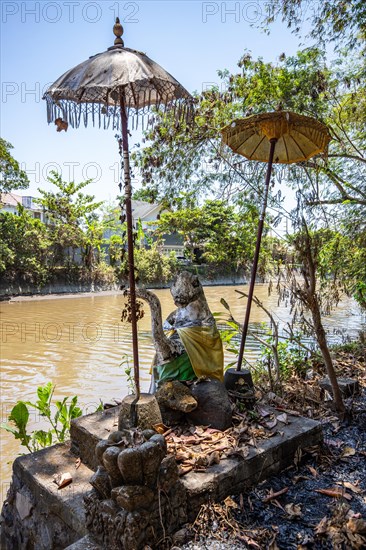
{"points": [[351, 486], [283, 418], [334, 492], [183, 470], [293, 510], [271, 424], [272, 495], [313, 471], [348, 451], [230, 503], [298, 456], [322, 527], [263, 412], [77, 463], [356, 525], [160, 428], [296, 479], [62, 480]]}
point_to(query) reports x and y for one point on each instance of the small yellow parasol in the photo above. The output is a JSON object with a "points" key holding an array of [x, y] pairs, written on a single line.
{"points": [[281, 137]]}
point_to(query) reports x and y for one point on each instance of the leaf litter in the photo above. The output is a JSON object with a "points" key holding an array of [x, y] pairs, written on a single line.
{"points": [[317, 503]]}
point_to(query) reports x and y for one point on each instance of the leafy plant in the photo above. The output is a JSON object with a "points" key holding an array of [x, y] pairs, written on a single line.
{"points": [[59, 420], [129, 373]]}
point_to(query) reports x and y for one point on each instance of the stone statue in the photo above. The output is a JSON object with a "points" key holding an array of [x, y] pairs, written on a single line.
{"points": [[188, 348], [192, 330]]}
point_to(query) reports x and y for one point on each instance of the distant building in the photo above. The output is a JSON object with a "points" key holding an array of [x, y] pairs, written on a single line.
{"points": [[149, 213], [9, 203]]}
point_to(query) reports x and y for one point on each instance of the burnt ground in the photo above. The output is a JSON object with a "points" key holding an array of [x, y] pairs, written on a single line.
{"points": [[288, 511]]}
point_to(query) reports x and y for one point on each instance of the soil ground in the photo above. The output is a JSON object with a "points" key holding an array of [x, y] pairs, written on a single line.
{"points": [[317, 503]]}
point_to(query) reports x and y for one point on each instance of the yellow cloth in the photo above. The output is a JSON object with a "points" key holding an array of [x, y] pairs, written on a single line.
{"points": [[205, 351]]}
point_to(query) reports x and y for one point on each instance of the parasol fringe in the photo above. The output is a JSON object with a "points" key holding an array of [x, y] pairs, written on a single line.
{"points": [[102, 115]]}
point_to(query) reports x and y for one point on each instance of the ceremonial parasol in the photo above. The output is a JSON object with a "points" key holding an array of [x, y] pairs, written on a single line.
{"points": [[281, 137], [107, 89]]}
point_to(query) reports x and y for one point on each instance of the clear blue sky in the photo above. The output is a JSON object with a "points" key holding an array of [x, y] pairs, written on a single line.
{"points": [[41, 40]]}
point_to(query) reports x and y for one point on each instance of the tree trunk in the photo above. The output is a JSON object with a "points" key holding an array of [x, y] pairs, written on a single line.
{"points": [[322, 342]]}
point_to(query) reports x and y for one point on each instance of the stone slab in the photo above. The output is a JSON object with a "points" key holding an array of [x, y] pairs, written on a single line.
{"points": [[232, 476], [86, 431], [35, 471], [86, 543], [348, 386]]}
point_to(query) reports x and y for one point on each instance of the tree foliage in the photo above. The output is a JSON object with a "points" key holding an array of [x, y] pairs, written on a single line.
{"points": [[221, 233], [69, 213], [11, 175], [24, 245], [337, 21]]}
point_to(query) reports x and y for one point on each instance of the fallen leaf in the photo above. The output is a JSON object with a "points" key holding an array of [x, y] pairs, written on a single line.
{"points": [[160, 428], [183, 470], [283, 418], [62, 480], [356, 525], [296, 479], [77, 463], [263, 412], [214, 458], [348, 451], [230, 503], [272, 495], [335, 492], [271, 424], [298, 456], [293, 510], [351, 486], [322, 526], [313, 471]]}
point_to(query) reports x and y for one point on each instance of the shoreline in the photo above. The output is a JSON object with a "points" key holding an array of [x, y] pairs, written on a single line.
{"points": [[69, 293]]}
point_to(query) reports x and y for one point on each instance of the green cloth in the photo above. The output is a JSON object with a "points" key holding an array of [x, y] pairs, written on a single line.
{"points": [[204, 356], [179, 368]]}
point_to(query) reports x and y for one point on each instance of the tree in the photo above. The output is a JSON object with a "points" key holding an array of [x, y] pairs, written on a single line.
{"points": [[11, 176], [332, 186], [24, 248], [317, 291], [339, 21], [224, 234], [68, 211]]}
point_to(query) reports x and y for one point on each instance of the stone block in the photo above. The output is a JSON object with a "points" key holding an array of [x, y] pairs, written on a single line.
{"points": [[86, 431], [36, 510], [86, 543], [234, 475], [347, 386]]}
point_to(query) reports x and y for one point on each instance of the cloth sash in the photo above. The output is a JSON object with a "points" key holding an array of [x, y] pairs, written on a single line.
{"points": [[204, 357]]}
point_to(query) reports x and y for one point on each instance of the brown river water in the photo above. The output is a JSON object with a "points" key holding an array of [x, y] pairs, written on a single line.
{"points": [[78, 342]]}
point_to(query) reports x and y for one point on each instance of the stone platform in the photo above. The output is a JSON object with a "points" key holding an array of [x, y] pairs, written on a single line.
{"points": [[39, 515]]}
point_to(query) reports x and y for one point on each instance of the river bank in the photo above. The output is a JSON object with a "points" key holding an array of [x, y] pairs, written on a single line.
{"points": [[16, 292]]}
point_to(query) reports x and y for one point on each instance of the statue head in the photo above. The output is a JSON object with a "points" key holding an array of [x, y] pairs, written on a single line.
{"points": [[185, 289]]}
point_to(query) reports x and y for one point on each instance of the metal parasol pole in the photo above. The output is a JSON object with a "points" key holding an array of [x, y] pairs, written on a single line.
{"points": [[256, 254], [131, 263]]}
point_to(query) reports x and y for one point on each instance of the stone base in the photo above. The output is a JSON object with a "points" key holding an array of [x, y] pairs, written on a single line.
{"points": [[144, 414], [86, 431], [232, 476], [348, 386], [38, 515]]}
